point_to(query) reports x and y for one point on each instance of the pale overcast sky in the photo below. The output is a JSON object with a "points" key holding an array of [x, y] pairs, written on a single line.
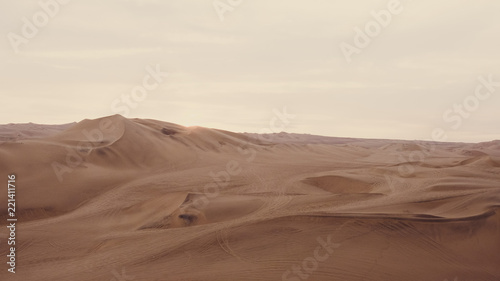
{"points": [[263, 56]]}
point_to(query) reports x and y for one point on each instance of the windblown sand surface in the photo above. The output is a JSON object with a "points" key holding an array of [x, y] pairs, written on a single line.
{"points": [[149, 200]]}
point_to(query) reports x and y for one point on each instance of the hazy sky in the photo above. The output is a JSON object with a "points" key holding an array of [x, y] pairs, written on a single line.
{"points": [[263, 56]]}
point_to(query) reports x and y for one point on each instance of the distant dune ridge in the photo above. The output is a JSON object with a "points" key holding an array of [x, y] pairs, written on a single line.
{"points": [[135, 199]]}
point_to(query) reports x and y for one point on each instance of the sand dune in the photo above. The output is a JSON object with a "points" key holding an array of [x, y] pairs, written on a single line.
{"points": [[12, 132], [133, 199]]}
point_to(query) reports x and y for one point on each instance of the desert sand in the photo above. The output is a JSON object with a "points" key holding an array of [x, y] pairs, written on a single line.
{"points": [[134, 199]]}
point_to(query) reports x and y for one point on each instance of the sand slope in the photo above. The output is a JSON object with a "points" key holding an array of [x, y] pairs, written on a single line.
{"points": [[148, 200]]}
